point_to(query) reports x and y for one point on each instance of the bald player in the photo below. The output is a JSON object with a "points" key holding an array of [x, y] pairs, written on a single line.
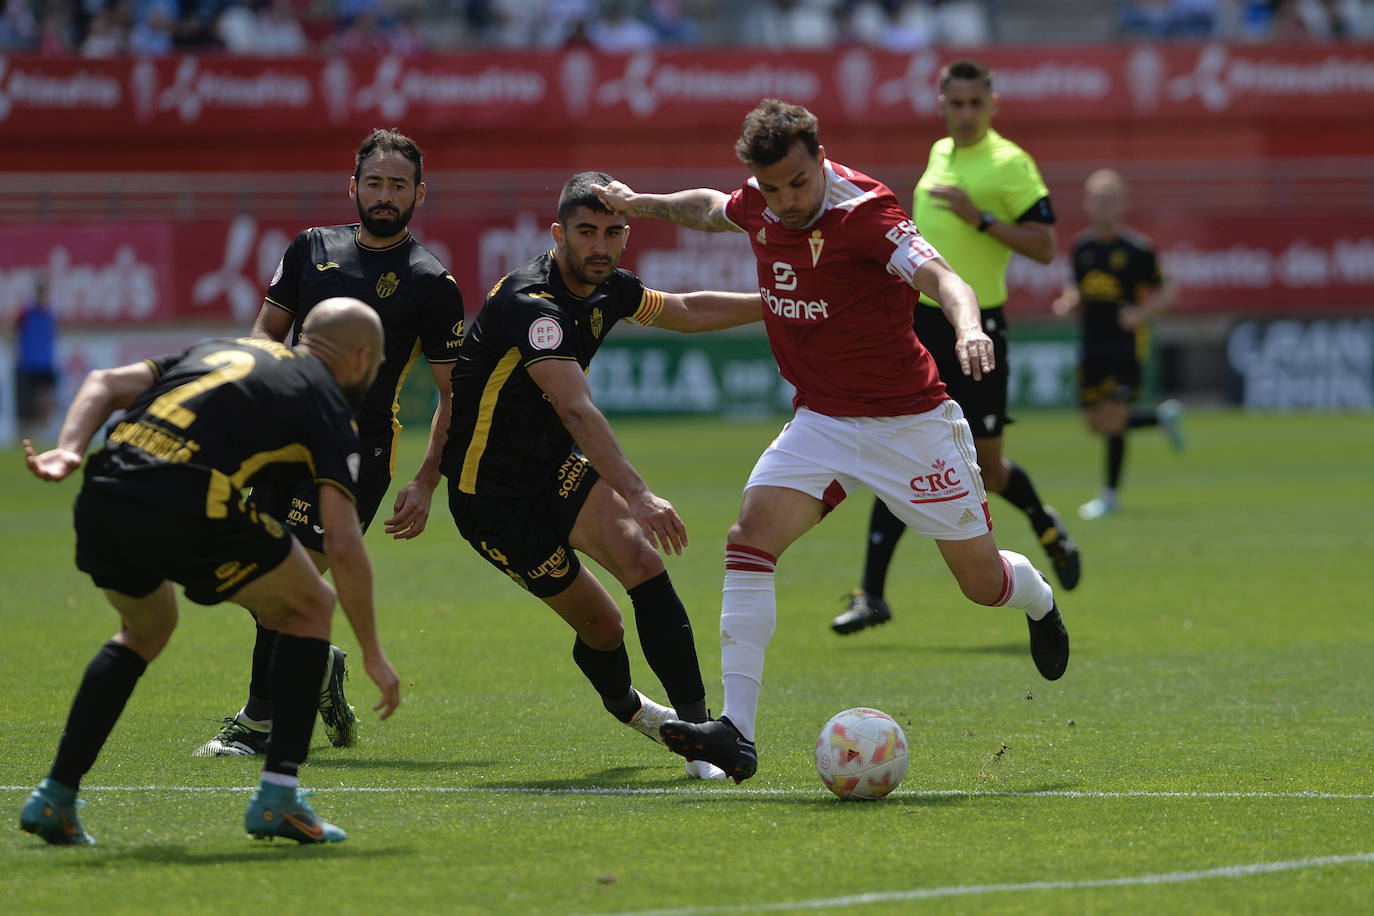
{"points": [[161, 503]]}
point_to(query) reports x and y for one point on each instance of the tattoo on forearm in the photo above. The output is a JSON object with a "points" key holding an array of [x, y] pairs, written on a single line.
{"points": [[696, 211]]}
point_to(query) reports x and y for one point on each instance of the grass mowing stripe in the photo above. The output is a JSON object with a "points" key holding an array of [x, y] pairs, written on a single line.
{"points": [[771, 793], [929, 893]]}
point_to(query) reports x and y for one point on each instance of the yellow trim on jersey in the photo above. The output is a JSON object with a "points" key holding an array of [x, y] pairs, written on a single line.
{"points": [[650, 307], [396, 406], [268, 300], [486, 407], [222, 485]]}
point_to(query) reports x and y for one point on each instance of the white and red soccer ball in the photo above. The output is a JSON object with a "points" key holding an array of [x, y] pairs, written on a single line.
{"points": [[861, 754]]}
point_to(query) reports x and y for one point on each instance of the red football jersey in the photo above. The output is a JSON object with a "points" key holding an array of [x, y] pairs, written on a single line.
{"points": [[838, 299]]}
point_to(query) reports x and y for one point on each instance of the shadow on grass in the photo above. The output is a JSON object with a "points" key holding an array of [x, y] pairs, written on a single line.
{"points": [[384, 763], [257, 852], [1012, 648]]}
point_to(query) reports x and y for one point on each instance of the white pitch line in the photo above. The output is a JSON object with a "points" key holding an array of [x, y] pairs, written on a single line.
{"points": [[724, 792], [962, 890]]}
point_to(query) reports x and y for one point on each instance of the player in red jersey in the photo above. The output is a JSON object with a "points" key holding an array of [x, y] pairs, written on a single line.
{"points": [[839, 266]]}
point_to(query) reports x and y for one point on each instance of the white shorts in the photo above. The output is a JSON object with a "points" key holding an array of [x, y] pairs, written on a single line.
{"points": [[923, 466]]}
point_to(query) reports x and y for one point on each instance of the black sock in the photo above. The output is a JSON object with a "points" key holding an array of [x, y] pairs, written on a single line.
{"points": [[1116, 457], [298, 664], [259, 705], [105, 688], [1020, 492], [665, 635], [884, 530], [1143, 416], [609, 673]]}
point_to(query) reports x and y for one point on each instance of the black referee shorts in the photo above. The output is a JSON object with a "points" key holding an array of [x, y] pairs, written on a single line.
{"points": [[984, 401], [524, 531]]}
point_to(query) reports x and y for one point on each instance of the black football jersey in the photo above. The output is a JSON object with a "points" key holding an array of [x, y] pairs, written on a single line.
{"points": [[418, 301], [504, 430], [1110, 275], [222, 414]]}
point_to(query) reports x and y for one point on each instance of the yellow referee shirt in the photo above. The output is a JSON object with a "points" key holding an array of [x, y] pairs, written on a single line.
{"points": [[999, 177]]}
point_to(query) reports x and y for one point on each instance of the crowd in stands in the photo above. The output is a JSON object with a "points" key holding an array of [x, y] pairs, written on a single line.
{"points": [[1248, 20], [102, 28]]}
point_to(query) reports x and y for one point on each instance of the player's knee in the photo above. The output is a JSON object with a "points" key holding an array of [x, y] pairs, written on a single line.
{"points": [[604, 634], [995, 477], [981, 590]]}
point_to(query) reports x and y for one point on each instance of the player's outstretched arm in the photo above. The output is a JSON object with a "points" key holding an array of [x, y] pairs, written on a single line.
{"points": [[567, 389], [343, 545], [699, 208], [102, 393], [690, 313], [410, 514]]}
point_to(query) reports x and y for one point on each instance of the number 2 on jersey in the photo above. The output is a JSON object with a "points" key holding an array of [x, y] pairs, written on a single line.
{"points": [[234, 365]]}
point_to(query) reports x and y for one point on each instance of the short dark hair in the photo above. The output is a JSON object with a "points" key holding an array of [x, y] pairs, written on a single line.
{"points": [[388, 140], [772, 129], [578, 193], [965, 68]]}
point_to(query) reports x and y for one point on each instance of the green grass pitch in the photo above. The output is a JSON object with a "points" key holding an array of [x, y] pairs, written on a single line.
{"points": [[1209, 750]]}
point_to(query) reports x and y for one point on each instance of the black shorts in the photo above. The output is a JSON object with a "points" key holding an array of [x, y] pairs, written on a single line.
{"points": [[1108, 376], [524, 532], [133, 547], [297, 505], [984, 401]]}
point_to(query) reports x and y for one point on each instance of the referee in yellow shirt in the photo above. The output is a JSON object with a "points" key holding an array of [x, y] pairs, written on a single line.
{"points": [[980, 199]]}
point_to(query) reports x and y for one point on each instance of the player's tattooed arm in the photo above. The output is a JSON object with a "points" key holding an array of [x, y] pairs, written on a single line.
{"points": [[698, 208]]}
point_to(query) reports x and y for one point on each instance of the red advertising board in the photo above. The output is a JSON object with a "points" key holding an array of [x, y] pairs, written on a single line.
{"points": [[212, 271], [511, 109]]}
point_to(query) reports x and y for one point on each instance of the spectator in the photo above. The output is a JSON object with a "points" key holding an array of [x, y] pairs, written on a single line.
{"points": [[105, 36], [619, 31], [961, 23], [279, 31], [35, 331], [154, 24], [18, 26]]}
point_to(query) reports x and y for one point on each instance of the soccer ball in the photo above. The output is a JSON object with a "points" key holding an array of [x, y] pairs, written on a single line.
{"points": [[861, 754]]}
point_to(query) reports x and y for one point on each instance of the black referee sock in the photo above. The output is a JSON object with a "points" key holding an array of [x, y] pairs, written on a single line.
{"points": [[105, 688], [259, 705], [298, 665], [884, 530], [665, 635], [1020, 492], [1116, 459], [609, 673]]}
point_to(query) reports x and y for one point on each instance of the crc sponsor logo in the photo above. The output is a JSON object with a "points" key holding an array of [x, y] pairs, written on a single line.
{"points": [[572, 472], [646, 85], [20, 88], [799, 309], [556, 566], [940, 486]]}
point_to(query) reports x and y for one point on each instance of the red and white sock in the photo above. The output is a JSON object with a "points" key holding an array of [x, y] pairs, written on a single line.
{"points": [[1024, 587], [748, 615]]}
